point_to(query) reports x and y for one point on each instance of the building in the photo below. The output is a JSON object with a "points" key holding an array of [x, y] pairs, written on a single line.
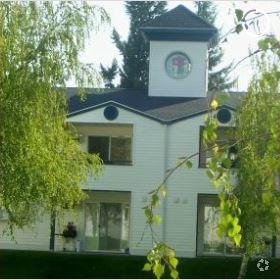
{"points": [[140, 135]]}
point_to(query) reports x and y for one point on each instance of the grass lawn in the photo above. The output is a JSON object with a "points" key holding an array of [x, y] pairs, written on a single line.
{"points": [[30, 264]]}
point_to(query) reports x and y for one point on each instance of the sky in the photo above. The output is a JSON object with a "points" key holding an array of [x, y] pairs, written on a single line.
{"points": [[100, 48]]}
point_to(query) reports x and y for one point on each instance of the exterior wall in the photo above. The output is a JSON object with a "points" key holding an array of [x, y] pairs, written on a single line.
{"points": [[194, 85], [33, 237], [147, 168], [155, 148], [184, 187]]}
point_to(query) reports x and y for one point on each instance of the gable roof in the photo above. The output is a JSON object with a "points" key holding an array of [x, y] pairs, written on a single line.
{"points": [[162, 109], [179, 17], [179, 24]]}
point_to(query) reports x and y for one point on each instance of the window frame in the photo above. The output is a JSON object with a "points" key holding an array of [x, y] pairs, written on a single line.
{"points": [[109, 161], [210, 200]]}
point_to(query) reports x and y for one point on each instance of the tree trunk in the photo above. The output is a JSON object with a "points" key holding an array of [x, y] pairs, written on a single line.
{"points": [[244, 265]]}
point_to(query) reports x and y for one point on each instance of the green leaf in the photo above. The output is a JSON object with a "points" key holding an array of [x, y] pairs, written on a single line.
{"points": [[148, 213], [227, 163], [174, 274], [147, 267], [235, 221], [229, 218], [189, 164], [173, 262], [230, 232], [238, 28], [155, 200], [158, 270], [156, 220], [170, 254], [236, 229], [239, 14], [210, 174], [237, 239], [214, 104], [162, 190], [263, 44]]}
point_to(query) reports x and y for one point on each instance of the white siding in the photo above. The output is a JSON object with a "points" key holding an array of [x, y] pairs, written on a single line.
{"points": [[194, 85], [33, 237], [155, 149], [145, 174], [184, 186]]}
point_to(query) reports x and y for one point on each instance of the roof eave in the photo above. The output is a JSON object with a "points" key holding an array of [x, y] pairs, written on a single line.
{"points": [[180, 34]]}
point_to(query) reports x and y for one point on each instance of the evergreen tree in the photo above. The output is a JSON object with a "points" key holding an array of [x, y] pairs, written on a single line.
{"points": [[135, 51], [218, 80], [109, 73]]}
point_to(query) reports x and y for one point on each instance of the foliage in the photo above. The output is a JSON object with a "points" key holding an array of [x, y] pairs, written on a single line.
{"points": [[218, 79], [161, 255], [218, 171], [41, 165], [135, 51], [259, 164], [109, 73], [250, 206]]}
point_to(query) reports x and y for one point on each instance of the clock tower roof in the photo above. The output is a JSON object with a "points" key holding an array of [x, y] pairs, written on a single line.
{"points": [[179, 24]]}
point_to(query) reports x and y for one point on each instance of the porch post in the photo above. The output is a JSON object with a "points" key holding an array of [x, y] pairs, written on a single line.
{"points": [[52, 232]]}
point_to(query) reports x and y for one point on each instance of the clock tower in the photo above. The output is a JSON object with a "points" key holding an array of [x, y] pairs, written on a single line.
{"points": [[179, 42]]}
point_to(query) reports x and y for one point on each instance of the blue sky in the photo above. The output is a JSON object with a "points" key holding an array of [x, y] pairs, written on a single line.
{"points": [[101, 49]]}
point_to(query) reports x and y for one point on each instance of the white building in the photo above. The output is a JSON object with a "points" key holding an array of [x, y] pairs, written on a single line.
{"points": [[140, 135]]}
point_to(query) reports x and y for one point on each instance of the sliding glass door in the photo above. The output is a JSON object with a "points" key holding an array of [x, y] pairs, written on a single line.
{"points": [[106, 226]]}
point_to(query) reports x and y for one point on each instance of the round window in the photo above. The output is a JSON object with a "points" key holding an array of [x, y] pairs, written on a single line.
{"points": [[111, 113], [224, 115]]}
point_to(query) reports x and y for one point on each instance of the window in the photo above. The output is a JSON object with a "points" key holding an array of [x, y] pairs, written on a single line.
{"points": [[112, 150], [224, 137], [107, 221], [208, 242]]}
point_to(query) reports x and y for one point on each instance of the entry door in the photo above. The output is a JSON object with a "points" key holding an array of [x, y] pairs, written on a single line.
{"points": [[106, 226]]}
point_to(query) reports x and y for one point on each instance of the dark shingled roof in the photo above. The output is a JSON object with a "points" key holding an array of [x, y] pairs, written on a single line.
{"points": [[180, 24], [179, 17], [162, 109]]}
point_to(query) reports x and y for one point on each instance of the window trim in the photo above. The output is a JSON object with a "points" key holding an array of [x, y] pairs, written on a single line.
{"points": [[110, 162], [202, 202]]}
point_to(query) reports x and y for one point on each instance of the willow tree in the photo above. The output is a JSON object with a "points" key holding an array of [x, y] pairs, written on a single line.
{"points": [[41, 164], [258, 187]]}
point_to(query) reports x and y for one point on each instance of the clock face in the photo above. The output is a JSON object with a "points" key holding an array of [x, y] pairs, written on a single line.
{"points": [[178, 65]]}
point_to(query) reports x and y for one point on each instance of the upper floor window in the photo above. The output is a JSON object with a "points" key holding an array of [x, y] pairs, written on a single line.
{"points": [[114, 150], [225, 137]]}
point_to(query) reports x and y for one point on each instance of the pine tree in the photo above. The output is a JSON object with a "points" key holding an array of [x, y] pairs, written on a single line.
{"points": [[135, 51], [109, 73], [218, 80]]}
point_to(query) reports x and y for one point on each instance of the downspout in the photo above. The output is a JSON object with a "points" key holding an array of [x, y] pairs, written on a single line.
{"points": [[165, 168]]}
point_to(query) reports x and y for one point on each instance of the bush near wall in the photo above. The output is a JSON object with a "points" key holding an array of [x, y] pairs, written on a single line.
{"points": [[34, 264]]}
